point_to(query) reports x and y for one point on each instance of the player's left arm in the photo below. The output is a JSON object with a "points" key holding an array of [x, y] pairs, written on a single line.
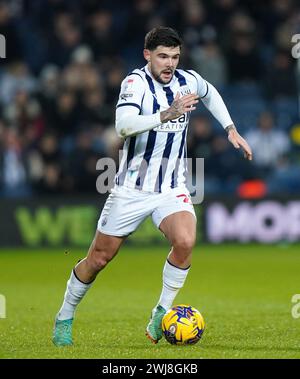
{"points": [[215, 104], [238, 141]]}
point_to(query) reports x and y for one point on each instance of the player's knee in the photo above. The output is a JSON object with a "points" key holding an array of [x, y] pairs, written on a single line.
{"points": [[184, 243], [99, 259], [98, 263]]}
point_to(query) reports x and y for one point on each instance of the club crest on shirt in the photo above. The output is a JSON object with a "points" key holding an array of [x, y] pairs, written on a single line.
{"points": [[185, 90]]}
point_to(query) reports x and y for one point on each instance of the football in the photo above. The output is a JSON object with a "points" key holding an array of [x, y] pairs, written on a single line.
{"points": [[183, 325]]}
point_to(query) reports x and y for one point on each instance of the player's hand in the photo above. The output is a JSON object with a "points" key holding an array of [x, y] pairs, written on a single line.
{"points": [[180, 106], [238, 141]]}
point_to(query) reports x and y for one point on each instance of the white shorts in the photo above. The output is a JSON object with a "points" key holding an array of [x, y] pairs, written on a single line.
{"points": [[125, 208]]}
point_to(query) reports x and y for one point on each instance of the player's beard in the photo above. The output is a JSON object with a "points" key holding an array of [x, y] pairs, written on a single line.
{"points": [[158, 77]]}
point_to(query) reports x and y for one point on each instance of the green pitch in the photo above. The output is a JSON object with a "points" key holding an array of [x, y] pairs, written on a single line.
{"points": [[244, 293]]}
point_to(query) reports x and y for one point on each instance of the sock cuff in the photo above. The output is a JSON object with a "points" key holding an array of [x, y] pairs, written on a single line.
{"points": [[174, 276], [87, 284], [179, 268]]}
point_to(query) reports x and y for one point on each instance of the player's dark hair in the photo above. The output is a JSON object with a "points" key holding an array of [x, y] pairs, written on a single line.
{"points": [[162, 36]]}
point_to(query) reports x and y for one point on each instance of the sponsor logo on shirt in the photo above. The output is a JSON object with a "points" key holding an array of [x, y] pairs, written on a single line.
{"points": [[177, 125], [125, 96]]}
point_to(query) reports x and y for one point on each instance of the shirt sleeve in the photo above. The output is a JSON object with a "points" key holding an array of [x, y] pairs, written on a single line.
{"points": [[132, 92], [215, 104], [202, 86], [130, 123]]}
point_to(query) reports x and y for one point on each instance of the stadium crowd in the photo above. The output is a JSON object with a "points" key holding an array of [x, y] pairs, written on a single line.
{"points": [[65, 60]]}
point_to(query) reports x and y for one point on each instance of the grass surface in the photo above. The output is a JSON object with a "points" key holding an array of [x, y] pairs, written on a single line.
{"points": [[244, 293]]}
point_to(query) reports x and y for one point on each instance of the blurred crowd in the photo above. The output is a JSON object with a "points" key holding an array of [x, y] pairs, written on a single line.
{"points": [[65, 60]]}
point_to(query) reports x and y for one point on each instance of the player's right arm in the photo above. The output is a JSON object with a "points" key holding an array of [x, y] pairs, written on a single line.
{"points": [[130, 122]]}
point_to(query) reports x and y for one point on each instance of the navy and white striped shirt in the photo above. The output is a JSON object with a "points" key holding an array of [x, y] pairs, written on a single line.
{"points": [[155, 161]]}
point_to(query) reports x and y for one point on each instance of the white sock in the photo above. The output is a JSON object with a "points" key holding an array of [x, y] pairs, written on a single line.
{"points": [[173, 279], [74, 293]]}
